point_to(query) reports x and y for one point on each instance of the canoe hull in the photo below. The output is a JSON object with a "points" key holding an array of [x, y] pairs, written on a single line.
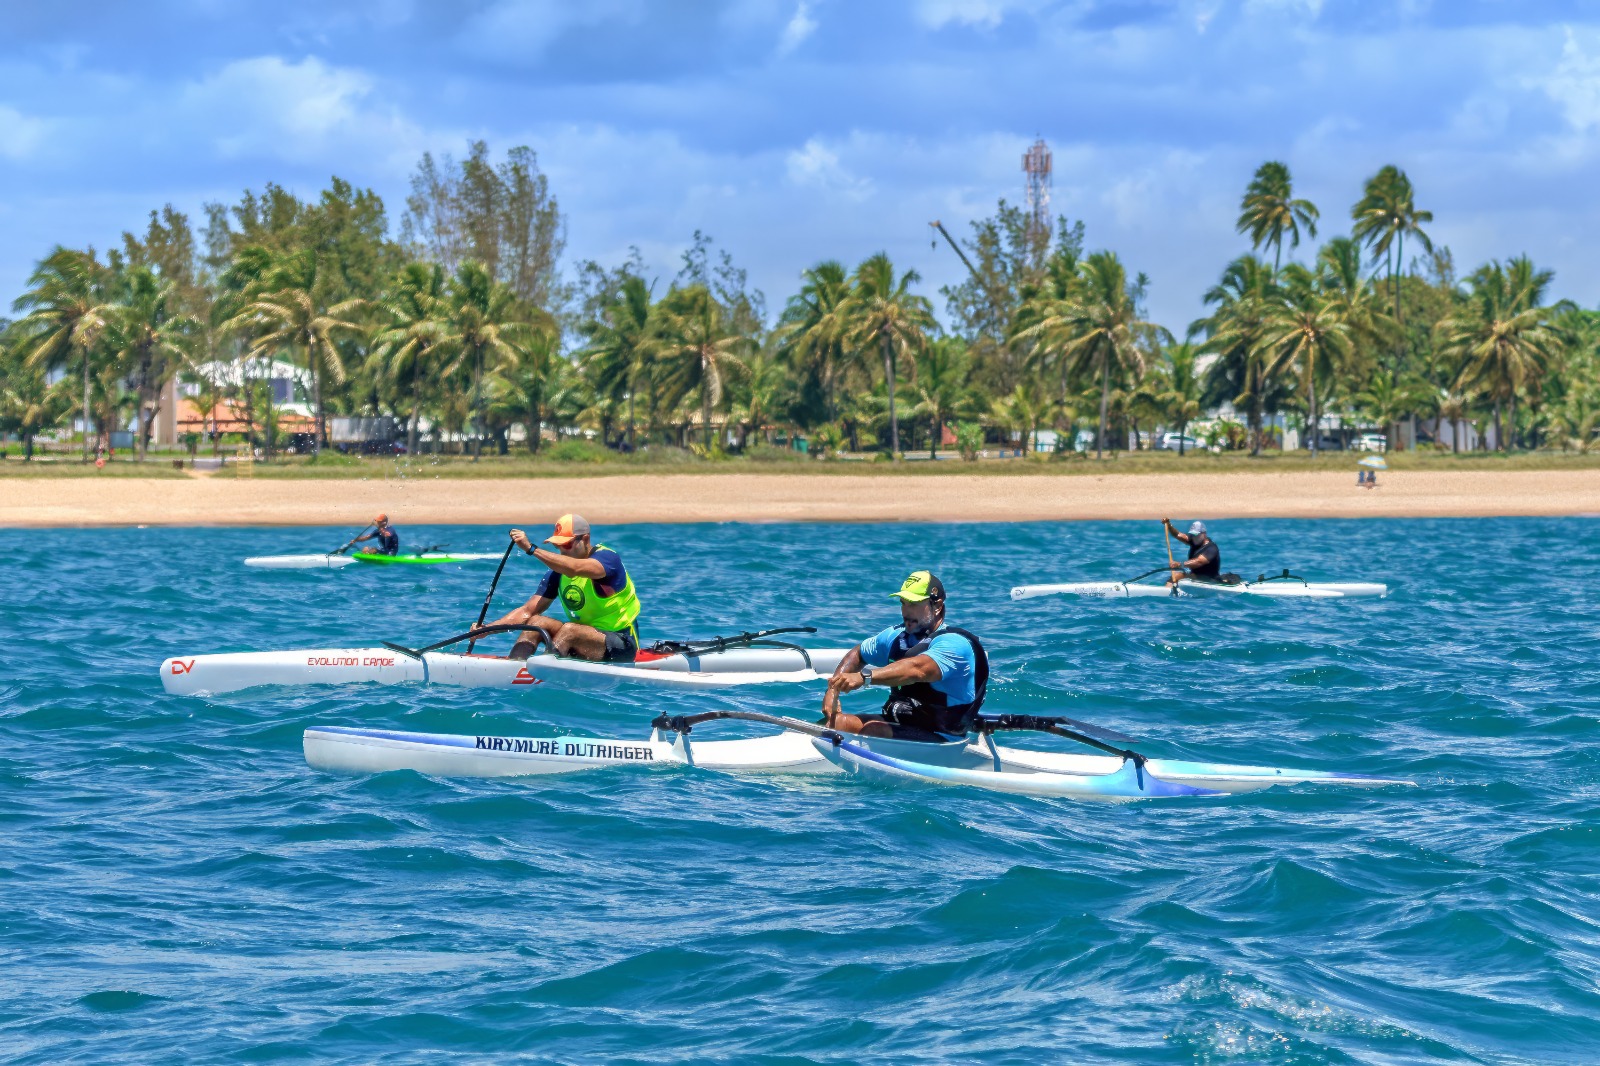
{"points": [[1064, 775], [1269, 590], [234, 671]]}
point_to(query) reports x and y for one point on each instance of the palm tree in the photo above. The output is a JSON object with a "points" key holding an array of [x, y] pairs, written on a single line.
{"points": [[67, 308], [1502, 339], [943, 371], [1096, 329], [1025, 409], [1307, 331], [700, 350], [883, 312], [1244, 299], [1384, 216], [622, 341], [1269, 211], [1388, 398], [484, 324], [289, 315], [154, 339], [1178, 389], [761, 395], [410, 347], [29, 405], [811, 332]]}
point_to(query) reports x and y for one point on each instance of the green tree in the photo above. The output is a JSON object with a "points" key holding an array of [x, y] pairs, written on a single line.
{"points": [[700, 350], [1384, 217], [290, 315], [66, 313], [811, 334], [1024, 409], [1098, 330], [1243, 302], [29, 405], [485, 326], [883, 313], [1306, 333], [622, 341], [1502, 338], [1269, 211], [154, 339], [1178, 388], [944, 370], [410, 347]]}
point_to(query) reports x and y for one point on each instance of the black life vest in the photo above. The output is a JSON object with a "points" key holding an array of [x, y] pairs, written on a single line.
{"points": [[922, 706], [388, 541], [1211, 571]]}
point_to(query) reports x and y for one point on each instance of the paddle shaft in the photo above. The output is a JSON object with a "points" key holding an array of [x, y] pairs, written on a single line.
{"points": [[352, 541], [483, 612]]}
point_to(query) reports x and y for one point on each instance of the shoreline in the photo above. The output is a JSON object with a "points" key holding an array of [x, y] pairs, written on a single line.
{"points": [[683, 498]]}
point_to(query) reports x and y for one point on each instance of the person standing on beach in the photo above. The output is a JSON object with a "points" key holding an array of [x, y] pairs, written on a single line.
{"points": [[387, 536], [594, 589], [1205, 558]]}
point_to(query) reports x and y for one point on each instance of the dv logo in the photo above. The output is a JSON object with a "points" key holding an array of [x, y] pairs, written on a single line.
{"points": [[181, 667]]}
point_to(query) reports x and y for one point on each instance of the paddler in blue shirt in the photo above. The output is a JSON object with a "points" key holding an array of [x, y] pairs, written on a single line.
{"points": [[592, 586], [388, 538], [936, 674]]}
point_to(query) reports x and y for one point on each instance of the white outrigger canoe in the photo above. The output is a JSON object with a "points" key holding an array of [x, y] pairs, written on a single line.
{"points": [[335, 561], [803, 748], [1284, 586], [195, 675]]}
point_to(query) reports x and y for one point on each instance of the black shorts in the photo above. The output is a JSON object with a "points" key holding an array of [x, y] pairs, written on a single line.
{"points": [[621, 647]]}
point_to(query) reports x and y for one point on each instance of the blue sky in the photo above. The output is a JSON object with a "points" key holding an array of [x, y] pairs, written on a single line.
{"points": [[796, 130]]}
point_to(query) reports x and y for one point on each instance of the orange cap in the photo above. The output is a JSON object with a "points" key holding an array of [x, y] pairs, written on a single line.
{"points": [[569, 527]]}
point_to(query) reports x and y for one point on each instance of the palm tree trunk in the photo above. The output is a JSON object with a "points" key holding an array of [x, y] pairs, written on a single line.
{"points": [[1499, 434], [888, 373], [1105, 402], [935, 431], [416, 410], [86, 403], [705, 409], [630, 422], [316, 402], [1316, 431]]}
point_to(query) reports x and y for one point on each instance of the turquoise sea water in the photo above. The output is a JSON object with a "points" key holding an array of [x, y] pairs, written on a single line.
{"points": [[177, 885]]}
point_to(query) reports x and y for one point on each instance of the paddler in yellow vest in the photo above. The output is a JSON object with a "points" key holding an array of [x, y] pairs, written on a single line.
{"points": [[592, 586]]}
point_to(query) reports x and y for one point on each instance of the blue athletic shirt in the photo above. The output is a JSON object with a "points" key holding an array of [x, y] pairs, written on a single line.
{"points": [[616, 576], [951, 652]]}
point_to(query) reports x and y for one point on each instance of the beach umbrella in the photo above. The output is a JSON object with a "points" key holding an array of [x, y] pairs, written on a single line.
{"points": [[1376, 462]]}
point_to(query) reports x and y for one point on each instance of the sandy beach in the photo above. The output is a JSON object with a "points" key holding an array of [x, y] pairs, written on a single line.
{"points": [[793, 498]]}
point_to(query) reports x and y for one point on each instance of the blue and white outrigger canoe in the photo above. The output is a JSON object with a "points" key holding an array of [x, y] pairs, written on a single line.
{"points": [[804, 748]]}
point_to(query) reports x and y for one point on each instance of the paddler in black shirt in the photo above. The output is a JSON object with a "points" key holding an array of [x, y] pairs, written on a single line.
{"points": [[1205, 558], [388, 538]]}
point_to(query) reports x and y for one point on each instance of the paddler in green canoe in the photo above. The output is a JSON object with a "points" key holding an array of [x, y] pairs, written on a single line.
{"points": [[592, 586], [387, 536], [936, 674]]}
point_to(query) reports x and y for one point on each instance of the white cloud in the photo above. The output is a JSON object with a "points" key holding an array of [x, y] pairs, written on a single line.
{"points": [[269, 107], [1575, 83], [523, 29], [20, 135], [817, 165], [801, 26], [985, 13]]}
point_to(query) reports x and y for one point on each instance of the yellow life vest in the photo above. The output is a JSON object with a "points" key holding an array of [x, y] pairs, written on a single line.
{"points": [[609, 614]]}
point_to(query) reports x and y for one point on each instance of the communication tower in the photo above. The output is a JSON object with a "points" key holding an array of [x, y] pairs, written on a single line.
{"points": [[1036, 165]]}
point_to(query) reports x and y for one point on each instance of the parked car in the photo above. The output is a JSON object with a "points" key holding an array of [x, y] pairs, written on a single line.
{"points": [[1171, 441], [1327, 444], [1371, 442]]}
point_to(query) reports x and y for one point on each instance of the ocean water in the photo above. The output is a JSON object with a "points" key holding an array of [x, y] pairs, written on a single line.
{"points": [[176, 885]]}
